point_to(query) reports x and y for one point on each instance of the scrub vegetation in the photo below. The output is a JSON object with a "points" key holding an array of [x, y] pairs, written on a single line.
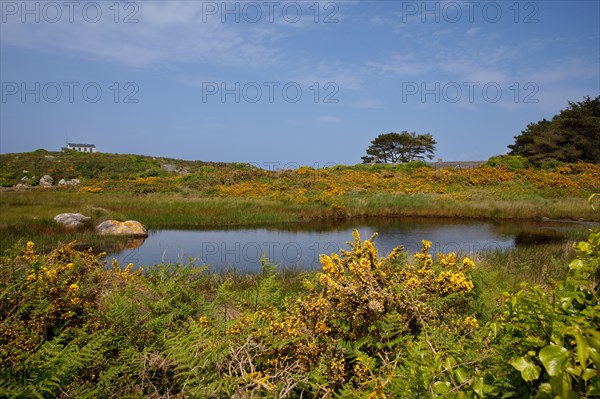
{"points": [[167, 193], [401, 325], [522, 322]]}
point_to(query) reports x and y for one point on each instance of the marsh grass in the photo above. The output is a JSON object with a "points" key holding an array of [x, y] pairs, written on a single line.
{"points": [[506, 270], [29, 215], [155, 210], [475, 206], [125, 187]]}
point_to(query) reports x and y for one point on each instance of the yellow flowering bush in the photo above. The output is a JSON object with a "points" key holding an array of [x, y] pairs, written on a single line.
{"points": [[339, 189], [90, 189], [358, 297], [364, 326], [126, 273], [52, 291], [486, 175]]}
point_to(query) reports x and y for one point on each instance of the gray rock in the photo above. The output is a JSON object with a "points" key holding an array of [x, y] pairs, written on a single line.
{"points": [[72, 182], [46, 181], [115, 227], [168, 168], [174, 169], [22, 186], [71, 219]]}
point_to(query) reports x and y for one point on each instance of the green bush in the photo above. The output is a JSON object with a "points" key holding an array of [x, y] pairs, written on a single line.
{"points": [[550, 335], [552, 165], [5, 182], [407, 167], [512, 162]]}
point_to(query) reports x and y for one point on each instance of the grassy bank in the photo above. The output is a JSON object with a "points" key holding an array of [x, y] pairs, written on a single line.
{"points": [[30, 214], [178, 211], [168, 193]]}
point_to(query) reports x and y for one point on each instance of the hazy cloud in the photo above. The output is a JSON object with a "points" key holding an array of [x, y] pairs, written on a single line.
{"points": [[328, 119], [165, 33]]}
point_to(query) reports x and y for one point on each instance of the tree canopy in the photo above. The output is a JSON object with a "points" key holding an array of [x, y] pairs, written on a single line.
{"points": [[571, 136], [400, 147]]}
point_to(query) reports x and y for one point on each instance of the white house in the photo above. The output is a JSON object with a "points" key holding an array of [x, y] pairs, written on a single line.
{"points": [[80, 147]]}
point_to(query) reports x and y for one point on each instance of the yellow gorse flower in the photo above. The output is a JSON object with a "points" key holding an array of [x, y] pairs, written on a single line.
{"points": [[454, 282], [448, 260], [471, 322], [29, 254], [425, 246], [125, 273], [203, 321], [468, 263]]}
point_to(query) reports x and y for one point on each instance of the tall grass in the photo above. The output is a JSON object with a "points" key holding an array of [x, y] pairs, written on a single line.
{"points": [[477, 207], [507, 270], [28, 215]]}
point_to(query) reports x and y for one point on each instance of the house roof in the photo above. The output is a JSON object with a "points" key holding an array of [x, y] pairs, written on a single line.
{"points": [[81, 145]]}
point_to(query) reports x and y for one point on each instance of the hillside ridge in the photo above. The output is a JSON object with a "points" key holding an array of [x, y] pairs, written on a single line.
{"points": [[14, 167]]}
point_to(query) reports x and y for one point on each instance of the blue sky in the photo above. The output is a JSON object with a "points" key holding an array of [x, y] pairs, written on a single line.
{"points": [[280, 83]]}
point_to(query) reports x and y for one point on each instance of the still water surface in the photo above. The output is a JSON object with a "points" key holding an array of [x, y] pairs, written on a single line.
{"points": [[299, 245]]}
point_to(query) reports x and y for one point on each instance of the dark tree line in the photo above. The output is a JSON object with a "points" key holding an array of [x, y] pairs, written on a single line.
{"points": [[571, 136], [400, 148]]}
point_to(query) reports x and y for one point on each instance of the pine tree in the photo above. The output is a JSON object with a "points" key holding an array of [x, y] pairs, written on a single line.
{"points": [[571, 136]]}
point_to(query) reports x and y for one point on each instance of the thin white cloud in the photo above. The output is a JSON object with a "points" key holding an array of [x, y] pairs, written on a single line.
{"points": [[340, 75], [575, 68], [328, 119], [402, 64], [378, 20], [448, 64], [472, 31], [165, 33], [368, 104]]}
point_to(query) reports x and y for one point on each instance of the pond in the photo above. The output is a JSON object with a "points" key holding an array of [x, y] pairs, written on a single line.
{"points": [[299, 245]]}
